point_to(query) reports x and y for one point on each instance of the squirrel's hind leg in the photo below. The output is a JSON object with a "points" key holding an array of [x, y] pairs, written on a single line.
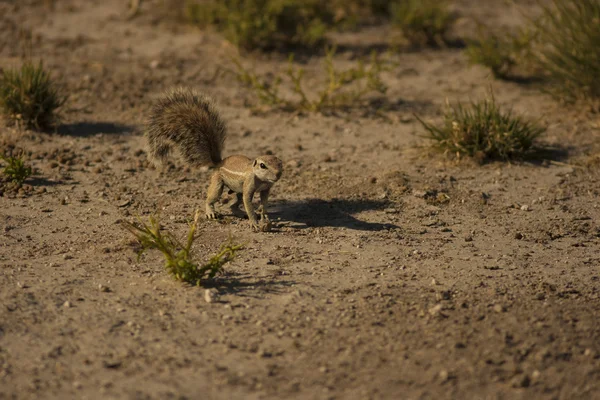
{"points": [[215, 189], [235, 206]]}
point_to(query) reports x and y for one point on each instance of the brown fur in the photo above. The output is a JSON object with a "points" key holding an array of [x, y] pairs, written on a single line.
{"points": [[187, 120]]}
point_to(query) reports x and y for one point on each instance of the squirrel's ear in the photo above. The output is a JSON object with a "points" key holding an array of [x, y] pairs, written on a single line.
{"points": [[254, 165]]}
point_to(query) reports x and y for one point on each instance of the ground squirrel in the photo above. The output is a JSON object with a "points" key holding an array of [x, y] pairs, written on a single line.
{"points": [[189, 122]]}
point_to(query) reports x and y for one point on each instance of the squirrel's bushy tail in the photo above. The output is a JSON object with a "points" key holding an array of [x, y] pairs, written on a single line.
{"points": [[189, 122]]}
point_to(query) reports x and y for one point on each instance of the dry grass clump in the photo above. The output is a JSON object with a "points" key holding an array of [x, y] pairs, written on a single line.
{"points": [[561, 46], [29, 96], [567, 48], [482, 131]]}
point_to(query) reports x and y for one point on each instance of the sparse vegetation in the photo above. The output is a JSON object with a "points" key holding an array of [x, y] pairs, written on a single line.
{"points": [[277, 24], [380, 7], [501, 54], [29, 96], [422, 22], [483, 131], [350, 14], [264, 24], [178, 261], [561, 46], [16, 169], [567, 49], [344, 88]]}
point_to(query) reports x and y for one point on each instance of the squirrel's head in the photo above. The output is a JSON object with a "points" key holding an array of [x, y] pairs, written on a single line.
{"points": [[267, 168]]}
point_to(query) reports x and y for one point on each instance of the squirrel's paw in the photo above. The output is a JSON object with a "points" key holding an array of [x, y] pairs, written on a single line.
{"points": [[212, 215], [266, 226], [263, 226], [255, 226]]}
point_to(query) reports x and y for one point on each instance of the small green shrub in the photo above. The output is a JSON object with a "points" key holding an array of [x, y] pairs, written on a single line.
{"points": [[350, 14], [178, 262], [561, 46], [343, 88], [29, 96], [264, 24], [567, 49], [482, 131], [422, 22], [501, 54], [16, 169], [380, 7]]}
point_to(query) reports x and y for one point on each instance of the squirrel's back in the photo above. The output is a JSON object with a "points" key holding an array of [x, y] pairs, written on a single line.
{"points": [[189, 122]]}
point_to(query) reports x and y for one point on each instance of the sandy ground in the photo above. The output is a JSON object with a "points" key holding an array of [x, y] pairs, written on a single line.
{"points": [[391, 273]]}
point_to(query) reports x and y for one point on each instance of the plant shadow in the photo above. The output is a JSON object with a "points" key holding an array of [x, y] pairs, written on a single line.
{"points": [[329, 213], [41, 181], [247, 285], [543, 154], [524, 80], [85, 129]]}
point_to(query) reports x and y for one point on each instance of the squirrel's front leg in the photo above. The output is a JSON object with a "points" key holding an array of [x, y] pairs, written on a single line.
{"points": [[264, 199], [249, 190]]}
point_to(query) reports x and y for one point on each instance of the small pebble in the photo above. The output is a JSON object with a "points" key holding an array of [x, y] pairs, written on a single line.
{"points": [[293, 164], [210, 295], [521, 381], [444, 375], [540, 296], [436, 310]]}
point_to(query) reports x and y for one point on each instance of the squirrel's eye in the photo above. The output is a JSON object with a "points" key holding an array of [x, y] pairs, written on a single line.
{"points": [[263, 166]]}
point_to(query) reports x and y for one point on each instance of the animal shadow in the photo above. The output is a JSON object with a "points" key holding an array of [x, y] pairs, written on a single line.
{"points": [[85, 129], [331, 213]]}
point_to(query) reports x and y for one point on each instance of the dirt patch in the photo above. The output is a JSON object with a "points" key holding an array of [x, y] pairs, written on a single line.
{"points": [[390, 273]]}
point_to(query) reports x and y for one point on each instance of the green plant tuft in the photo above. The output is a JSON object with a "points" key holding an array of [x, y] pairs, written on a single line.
{"points": [[422, 22], [178, 262], [344, 88], [29, 96], [482, 131], [16, 169], [567, 49]]}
